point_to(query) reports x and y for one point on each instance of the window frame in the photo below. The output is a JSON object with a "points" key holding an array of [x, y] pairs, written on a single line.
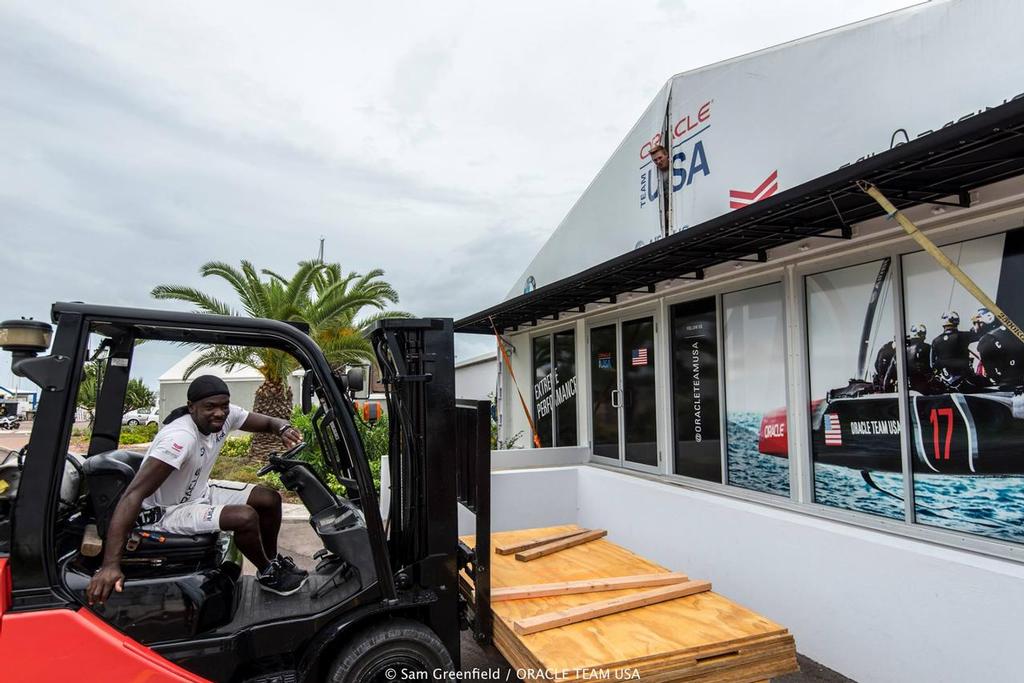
{"points": [[550, 332], [631, 311]]}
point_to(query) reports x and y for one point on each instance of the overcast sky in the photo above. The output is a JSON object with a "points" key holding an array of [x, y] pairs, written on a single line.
{"points": [[441, 141]]}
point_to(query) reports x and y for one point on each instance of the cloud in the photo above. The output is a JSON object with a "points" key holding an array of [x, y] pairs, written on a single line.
{"points": [[442, 143]]}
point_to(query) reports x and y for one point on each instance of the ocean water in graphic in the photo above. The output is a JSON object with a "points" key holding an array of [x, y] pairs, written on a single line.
{"points": [[747, 467], [844, 487], [980, 505]]}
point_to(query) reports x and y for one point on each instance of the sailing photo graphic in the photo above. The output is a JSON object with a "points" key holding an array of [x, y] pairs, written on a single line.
{"points": [[965, 373]]}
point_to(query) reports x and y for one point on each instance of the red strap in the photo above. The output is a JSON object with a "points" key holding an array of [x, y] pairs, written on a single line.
{"points": [[511, 372]]}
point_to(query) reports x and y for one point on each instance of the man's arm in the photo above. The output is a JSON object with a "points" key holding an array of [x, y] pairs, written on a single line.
{"points": [[109, 576], [256, 422]]}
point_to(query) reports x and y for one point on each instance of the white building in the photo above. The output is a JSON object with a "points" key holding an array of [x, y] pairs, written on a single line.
{"points": [[707, 352], [242, 381], [476, 377]]}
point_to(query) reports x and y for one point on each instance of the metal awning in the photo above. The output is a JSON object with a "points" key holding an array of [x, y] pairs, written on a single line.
{"points": [[950, 162]]}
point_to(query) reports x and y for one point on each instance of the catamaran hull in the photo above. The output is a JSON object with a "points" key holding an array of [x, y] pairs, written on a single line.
{"points": [[972, 434]]}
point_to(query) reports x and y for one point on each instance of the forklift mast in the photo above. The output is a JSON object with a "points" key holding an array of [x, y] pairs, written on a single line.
{"points": [[416, 359]]}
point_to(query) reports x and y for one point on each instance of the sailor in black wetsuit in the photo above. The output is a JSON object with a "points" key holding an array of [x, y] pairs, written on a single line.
{"points": [[919, 359], [885, 367], [951, 356], [982, 322]]}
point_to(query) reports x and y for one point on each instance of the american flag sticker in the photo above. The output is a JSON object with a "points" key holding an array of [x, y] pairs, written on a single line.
{"points": [[833, 430], [640, 356]]}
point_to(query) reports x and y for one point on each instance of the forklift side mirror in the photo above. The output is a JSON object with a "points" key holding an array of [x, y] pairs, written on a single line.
{"points": [[307, 393], [355, 379]]}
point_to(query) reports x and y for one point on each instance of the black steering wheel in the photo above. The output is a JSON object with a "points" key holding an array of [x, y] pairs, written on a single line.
{"points": [[278, 462]]}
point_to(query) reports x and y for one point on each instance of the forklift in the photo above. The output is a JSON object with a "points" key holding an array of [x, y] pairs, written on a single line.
{"points": [[383, 602]]}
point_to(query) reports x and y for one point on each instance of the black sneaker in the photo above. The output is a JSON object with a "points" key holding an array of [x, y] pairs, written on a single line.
{"points": [[289, 564], [276, 579]]}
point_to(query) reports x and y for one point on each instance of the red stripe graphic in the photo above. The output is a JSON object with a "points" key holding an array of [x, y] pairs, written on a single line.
{"points": [[739, 198]]}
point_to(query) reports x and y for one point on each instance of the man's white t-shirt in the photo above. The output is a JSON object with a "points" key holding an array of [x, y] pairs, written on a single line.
{"points": [[191, 453]]}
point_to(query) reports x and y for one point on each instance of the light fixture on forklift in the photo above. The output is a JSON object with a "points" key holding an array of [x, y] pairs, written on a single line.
{"points": [[25, 337]]}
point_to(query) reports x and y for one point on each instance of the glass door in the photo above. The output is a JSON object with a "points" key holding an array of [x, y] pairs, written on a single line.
{"points": [[622, 394], [604, 390], [640, 438]]}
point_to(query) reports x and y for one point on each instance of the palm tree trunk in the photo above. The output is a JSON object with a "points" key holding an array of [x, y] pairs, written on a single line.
{"points": [[273, 399]]}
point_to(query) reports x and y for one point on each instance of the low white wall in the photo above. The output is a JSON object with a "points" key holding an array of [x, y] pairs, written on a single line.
{"points": [[527, 498], [872, 606], [516, 458]]}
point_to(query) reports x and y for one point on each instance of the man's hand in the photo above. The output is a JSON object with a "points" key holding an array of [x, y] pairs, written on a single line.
{"points": [[108, 578], [291, 437]]}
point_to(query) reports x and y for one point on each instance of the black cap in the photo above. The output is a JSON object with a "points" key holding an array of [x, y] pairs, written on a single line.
{"points": [[205, 386]]}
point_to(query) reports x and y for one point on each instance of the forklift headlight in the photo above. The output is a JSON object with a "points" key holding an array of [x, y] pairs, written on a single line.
{"points": [[25, 336]]}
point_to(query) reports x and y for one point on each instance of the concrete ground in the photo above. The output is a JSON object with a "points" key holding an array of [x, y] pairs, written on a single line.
{"points": [[298, 540], [13, 440]]}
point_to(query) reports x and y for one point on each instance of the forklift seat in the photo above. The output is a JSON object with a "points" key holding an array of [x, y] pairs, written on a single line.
{"points": [[108, 475]]}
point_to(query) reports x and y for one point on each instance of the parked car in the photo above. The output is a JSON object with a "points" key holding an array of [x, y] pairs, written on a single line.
{"points": [[142, 416]]}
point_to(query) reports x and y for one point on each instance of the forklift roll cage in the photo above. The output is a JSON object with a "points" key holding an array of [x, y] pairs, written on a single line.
{"points": [[417, 558]]}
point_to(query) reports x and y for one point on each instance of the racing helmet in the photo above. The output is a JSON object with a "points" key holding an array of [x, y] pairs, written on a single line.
{"points": [[950, 319], [983, 317], [919, 330]]}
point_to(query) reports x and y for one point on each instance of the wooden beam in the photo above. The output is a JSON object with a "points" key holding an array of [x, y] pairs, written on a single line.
{"points": [[543, 590], [508, 549], [555, 546], [550, 620]]}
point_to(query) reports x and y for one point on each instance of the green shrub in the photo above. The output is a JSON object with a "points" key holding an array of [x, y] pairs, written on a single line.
{"points": [[131, 435], [236, 447], [375, 443]]}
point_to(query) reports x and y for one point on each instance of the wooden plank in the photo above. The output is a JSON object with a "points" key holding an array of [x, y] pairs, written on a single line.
{"points": [[540, 590], [573, 615], [555, 546], [510, 548]]}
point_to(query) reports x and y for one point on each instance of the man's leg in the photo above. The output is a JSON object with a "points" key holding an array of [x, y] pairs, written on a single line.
{"points": [[267, 503], [245, 522]]}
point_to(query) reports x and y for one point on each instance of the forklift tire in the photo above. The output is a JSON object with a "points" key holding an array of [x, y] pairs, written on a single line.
{"points": [[390, 651]]}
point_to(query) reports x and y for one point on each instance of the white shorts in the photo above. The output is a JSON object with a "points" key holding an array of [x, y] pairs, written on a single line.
{"points": [[203, 516]]}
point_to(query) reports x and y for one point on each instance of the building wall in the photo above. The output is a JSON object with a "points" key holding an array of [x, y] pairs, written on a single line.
{"points": [[476, 380], [243, 393], [872, 606]]}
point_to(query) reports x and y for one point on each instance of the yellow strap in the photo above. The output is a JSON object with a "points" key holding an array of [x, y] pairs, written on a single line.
{"points": [[511, 372], [936, 253]]}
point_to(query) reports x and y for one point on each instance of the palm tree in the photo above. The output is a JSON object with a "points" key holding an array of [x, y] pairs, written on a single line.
{"points": [[138, 395], [317, 294]]}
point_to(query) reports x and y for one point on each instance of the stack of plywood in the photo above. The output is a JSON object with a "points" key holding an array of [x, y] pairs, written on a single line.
{"points": [[701, 637]]}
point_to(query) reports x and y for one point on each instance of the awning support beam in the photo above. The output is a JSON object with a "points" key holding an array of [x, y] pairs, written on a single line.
{"points": [[762, 257]]}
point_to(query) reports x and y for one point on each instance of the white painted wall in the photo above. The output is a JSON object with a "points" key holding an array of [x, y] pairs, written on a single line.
{"points": [[872, 606], [528, 498], [476, 379]]}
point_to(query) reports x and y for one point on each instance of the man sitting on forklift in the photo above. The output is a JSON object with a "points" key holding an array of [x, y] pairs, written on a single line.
{"points": [[173, 493]]}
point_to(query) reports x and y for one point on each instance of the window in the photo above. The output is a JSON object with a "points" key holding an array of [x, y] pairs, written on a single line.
{"points": [[542, 380], [564, 391], [855, 418], [695, 416], [755, 389], [965, 385], [554, 388]]}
